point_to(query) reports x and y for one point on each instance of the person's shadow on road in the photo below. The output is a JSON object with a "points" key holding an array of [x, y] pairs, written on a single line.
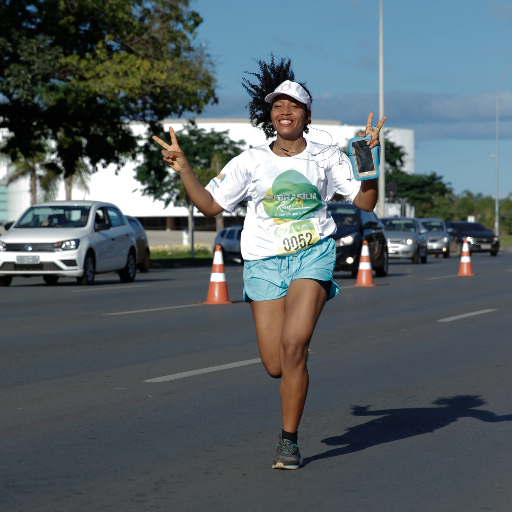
{"points": [[396, 424]]}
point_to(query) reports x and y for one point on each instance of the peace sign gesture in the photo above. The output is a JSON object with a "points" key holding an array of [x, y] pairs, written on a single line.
{"points": [[172, 154], [374, 141]]}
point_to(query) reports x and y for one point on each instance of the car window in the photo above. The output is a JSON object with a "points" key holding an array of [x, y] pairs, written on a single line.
{"points": [[100, 218], [115, 217], [55, 217], [135, 225], [231, 234], [222, 233], [433, 225], [344, 215], [399, 224]]}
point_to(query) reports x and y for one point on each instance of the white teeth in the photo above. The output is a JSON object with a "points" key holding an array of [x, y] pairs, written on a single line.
{"points": [[285, 122]]}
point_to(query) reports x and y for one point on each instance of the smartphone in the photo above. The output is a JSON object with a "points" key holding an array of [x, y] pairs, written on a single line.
{"points": [[365, 161]]}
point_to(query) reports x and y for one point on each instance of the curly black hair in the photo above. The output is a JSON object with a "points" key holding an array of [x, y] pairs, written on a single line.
{"points": [[270, 76]]}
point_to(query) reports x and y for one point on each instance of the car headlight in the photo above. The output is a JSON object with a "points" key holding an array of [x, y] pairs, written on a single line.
{"points": [[345, 240], [495, 239], [3, 246], [470, 239], [67, 245], [409, 241], [445, 239]]}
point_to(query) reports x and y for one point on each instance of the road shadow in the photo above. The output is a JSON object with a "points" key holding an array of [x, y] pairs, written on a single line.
{"points": [[396, 424]]}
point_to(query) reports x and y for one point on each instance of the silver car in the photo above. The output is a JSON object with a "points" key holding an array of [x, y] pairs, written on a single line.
{"points": [[69, 239], [406, 240], [229, 240], [438, 238]]}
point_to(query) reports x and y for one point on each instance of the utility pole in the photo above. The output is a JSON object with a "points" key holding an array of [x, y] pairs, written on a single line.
{"points": [[496, 200], [382, 168]]}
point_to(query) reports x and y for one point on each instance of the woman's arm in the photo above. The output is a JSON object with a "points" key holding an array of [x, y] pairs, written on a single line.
{"points": [[368, 194], [174, 157]]}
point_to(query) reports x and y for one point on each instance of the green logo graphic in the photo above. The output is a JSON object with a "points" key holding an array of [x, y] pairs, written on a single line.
{"points": [[291, 197]]}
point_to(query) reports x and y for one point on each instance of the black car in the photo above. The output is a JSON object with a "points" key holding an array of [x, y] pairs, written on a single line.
{"points": [[480, 239], [143, 260], [353, 227]]}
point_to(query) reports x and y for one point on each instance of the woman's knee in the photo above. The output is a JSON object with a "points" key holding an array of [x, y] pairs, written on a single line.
{"points": [[293, 351]]}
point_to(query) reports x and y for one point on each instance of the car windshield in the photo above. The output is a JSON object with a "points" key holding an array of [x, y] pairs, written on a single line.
{"points": [[433, 225], [470, 226], [344, 216], [55, 217], [398, 225]]}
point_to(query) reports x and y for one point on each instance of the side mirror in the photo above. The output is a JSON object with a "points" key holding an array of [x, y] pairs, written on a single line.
{"points": [[450, 230], [101, 226], [8, 225], [370, 225], [423, 231]]}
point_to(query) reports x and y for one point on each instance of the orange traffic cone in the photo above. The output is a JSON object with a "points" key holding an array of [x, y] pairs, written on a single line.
{"points": [[465, 268], [364, 274], [218, 290]]}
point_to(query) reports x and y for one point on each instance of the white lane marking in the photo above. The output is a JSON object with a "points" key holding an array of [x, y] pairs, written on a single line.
{"points": [[440, 277], [204, 370], [346, 287], [152, 309], [466, 315], [106, 287], [509, 270]]}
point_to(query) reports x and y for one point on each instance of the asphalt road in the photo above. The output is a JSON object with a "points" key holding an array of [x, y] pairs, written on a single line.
{"points": [[405, 412]]}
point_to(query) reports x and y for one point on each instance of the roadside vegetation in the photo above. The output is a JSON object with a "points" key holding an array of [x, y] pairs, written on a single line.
{"points": [[171, 255]]}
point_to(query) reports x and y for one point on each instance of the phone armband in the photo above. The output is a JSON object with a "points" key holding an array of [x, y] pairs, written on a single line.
{"points": [[365, 161]]}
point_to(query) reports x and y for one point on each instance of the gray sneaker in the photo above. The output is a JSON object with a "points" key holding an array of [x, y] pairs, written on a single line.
{"points": [[288, 455]]}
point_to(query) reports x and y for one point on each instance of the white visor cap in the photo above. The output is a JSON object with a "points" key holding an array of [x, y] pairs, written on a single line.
{"points": [[292, 89]]}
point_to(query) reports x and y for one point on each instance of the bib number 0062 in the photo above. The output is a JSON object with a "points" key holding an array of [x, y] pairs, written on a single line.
{"points": [[292, 236]]}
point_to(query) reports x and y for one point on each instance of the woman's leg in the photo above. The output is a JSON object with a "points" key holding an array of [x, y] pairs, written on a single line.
{"points": [[304, 303], [269, 320], [284, 328]]}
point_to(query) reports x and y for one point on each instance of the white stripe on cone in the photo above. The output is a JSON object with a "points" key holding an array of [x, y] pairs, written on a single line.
{"points": [[465, 259], [217, 258], [365, 251], [363, 265], [217, 278], [465, 247]]}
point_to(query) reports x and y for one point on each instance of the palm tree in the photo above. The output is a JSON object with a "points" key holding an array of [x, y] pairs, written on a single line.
{"points": [[29, 167], [51, 179]]}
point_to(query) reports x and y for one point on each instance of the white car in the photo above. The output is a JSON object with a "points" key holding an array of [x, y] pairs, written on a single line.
{"points": [[69, 239]]}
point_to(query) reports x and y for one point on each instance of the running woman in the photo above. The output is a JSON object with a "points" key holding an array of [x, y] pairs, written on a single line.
{"points": [[289, 257]]}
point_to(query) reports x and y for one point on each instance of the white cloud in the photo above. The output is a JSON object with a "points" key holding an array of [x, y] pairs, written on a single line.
{"points": [[430, 115]]}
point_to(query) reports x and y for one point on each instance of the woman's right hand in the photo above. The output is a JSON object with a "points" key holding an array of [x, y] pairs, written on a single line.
{"points": [[172, 154]]}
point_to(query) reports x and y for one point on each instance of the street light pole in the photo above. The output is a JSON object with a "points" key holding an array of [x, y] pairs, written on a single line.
{"points": [[382, 169], [496, 201]]}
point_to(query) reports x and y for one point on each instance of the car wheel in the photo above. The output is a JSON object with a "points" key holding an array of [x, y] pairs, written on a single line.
{"points": [[494, 253], [354, 273], [127, 274], [5, 280], [416, 258], [144, 266], [424, 257], [383, 271], [446, 254], [89, 270], [51, 280]]}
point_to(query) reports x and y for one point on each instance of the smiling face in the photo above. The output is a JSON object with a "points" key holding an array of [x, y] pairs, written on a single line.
{"points": [[289, 117]]}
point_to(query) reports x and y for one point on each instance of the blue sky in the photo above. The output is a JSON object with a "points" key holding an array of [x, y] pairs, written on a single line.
{"points": [[443, 62]]}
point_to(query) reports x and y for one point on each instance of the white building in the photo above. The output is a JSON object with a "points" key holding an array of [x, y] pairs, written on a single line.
{"points": [[125, 191]]}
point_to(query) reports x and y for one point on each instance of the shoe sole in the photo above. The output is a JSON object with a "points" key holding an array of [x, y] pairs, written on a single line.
{"points": [[280, 465]]}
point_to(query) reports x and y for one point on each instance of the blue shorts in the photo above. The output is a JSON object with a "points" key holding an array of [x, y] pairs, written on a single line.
{"points": [[269, 278]]}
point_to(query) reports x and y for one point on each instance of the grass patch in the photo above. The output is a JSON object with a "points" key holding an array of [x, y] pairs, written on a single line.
{"points": [[506, 241], [177, 255]]}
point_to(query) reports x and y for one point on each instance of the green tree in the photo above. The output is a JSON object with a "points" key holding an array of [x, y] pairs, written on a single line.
{"points": [[207, 154], [75, 71]]}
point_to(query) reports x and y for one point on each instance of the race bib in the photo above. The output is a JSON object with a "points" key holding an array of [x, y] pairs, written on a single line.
{"points": [[295, 235]]}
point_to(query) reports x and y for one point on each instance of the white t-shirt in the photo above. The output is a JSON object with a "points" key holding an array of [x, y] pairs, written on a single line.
{"points": [[286, 196]]}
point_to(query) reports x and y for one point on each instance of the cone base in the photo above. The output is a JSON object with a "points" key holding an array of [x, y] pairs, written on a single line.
{"points": [[214, 303]]}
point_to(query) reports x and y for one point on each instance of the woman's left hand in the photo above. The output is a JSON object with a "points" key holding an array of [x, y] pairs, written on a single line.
{"points": [[374, 141]]}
